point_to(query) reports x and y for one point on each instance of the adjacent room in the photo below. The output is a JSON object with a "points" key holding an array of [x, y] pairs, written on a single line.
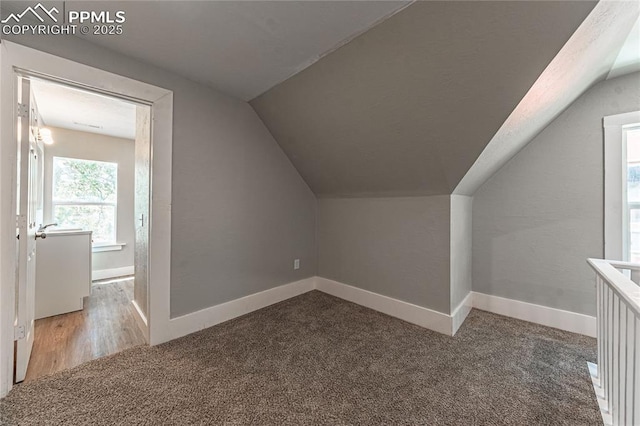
{"points": [[85, 193], [320, 212]]}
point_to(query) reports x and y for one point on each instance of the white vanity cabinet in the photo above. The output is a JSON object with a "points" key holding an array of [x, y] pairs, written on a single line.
{"points": [[63, 272]]}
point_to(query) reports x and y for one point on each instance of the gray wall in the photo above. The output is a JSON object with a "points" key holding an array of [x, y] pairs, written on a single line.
{"points": [[461, 248], [407, 107], [398, 247], [240, 211], [90, 146], [538, 219]]}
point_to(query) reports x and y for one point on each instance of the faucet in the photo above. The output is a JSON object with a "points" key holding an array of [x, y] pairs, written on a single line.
{"points": [[42, 228]]}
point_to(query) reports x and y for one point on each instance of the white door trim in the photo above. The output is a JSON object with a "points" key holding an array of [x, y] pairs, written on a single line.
{"points": [[15, 57]]}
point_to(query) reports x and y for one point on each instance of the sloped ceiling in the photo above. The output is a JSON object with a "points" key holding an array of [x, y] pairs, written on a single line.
{"points": [[587, 58], [241, 48], [407, 107]]}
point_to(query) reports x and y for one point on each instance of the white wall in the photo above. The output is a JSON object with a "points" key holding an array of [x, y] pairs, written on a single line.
{"points": [[461, 248], [90, 146], [240, 211], [537, 220]]}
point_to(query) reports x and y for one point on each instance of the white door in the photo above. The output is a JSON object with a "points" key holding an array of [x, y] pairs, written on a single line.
{"points": [[27, 227]]}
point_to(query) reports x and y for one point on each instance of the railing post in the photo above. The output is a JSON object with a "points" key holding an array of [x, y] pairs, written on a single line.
{"points": [[630, 366], [609, 342], [599, 333], [635, 406], [617, 382]]}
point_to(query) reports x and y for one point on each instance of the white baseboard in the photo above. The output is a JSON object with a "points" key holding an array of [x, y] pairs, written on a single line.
{"points": [[190, 323], [433, 320], [103, 274], [424, 317], [543, 315], [141, 320], [461, 312], [450, 324]]}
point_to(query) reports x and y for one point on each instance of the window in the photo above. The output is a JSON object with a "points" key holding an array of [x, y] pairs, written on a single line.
{"points": [[85, 195], [622, 186], [632, 209]]}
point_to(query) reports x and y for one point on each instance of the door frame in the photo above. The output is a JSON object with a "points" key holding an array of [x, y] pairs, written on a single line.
{"points": [[17, 59]]}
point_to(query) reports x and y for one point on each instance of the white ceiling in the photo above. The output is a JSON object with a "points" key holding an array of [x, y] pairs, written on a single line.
{"points": [[242, 48], [628, 59], [70, 108]]}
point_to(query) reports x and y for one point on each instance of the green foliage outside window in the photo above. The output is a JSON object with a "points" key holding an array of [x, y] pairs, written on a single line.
{"points": [[85, 196]]}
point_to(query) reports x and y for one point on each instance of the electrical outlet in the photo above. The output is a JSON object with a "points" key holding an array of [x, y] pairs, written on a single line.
{"points": [[296, 264]]}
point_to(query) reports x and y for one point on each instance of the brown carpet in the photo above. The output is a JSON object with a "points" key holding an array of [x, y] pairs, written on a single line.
{"points": [[316, 359]]}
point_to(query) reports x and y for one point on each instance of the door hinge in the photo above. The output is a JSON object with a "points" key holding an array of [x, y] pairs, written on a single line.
{"points": [[19, 332], [23, 110], [21, 220]]}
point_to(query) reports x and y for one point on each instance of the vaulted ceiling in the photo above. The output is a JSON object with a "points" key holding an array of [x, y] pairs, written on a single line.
{"points": [[407, 107], [377, 98], [241, 48]]}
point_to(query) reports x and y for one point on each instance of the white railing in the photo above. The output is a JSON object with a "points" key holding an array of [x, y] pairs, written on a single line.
{"points": [[617, 376]]}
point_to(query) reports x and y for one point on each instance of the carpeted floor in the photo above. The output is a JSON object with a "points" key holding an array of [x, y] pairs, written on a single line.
{"points": [[316, 359]]}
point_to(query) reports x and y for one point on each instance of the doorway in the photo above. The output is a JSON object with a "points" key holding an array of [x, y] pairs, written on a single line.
{"points": [[83, 188], [16, 318]]}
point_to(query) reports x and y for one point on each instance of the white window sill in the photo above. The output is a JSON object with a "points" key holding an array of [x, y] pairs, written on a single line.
{"points": [[107, 247]]}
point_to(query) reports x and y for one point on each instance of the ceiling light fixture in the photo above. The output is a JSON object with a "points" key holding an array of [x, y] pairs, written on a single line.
{"points": [[95, 126], [44, 135]]}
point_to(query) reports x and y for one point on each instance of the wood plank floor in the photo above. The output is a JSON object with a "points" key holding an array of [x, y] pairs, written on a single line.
{"points": [[106, 325]]}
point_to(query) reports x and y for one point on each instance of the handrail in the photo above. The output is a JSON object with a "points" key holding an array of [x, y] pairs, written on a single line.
{"points": [[633, 268], [619, 283], [616, 378], [618, 264]]}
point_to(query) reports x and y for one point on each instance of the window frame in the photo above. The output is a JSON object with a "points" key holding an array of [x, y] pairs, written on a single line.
{"points": [[54, 203], [626, 205], [616, 208], [626, 232]]}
